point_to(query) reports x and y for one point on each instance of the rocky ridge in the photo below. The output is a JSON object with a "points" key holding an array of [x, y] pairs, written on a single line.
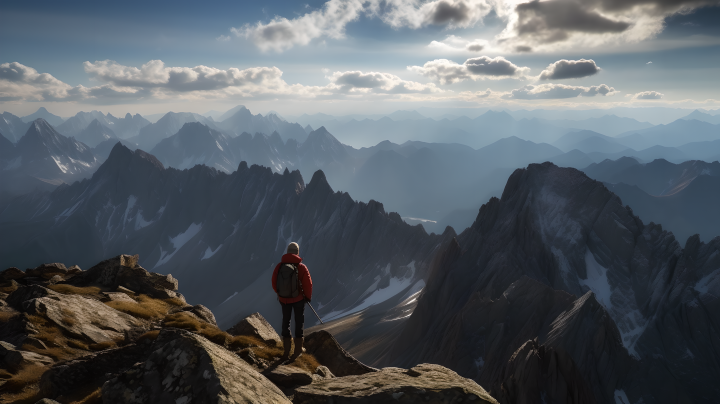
{"points": [[559, 261], [117, 333]]}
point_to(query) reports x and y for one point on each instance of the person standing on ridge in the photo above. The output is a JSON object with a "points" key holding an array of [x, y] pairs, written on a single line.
{"points": [[293, 285]]}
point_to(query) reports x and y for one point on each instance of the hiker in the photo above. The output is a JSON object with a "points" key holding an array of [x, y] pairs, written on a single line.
{"points": [[293, 285]]}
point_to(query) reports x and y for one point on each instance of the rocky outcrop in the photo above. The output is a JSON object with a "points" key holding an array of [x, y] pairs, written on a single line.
{"points": [[423, 383], [13, 359], [82, 317], [539, 371], [186, 368], [328, 351], [255, 325], [125, 271]]}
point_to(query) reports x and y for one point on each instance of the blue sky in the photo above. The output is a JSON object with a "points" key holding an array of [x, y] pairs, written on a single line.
{"points": [[344, 56]]}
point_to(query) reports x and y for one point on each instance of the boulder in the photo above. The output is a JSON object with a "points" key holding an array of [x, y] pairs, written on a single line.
{"points": [[424, 383], [47, 271], [96, 368], [187, 368], [203, 313], [288, 376], [12, 358], [117, 297], [24, 294], [124, 271], [83, 317], [47, 401], [74, 270], [11, 273], [325, 348], [256, 326]]}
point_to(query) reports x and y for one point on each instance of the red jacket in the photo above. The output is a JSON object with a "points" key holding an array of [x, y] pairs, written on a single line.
{"points": [[303, 273]]}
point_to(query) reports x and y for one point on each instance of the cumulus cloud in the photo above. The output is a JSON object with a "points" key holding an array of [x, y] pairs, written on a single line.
{"points": [[454, 43], [483, 67], [648, 95], [569, 69], [331, 19], [281, 33], [154, 74], [155, 81], [360, 82], [568, 23], [557, 91], [23, 83]]}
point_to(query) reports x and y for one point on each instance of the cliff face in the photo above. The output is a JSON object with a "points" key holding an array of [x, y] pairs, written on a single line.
{"points": [[559, 260], [222, 234]]}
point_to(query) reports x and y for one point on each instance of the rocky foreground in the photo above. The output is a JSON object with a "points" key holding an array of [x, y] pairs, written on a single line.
{"points": [[117, 333]]}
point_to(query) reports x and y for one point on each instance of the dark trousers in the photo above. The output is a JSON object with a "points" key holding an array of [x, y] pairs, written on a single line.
{"points": [[299, 309]]}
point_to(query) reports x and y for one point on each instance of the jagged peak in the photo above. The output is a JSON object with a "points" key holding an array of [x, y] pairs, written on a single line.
{"points": [[121, 156]]}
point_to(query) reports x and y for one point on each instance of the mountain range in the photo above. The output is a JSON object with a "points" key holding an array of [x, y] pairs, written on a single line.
{"points": [[43, 159], [559, 293], [203, 225]]}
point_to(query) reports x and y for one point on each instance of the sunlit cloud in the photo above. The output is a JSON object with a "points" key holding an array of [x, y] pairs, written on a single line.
{"points": [[558, 91], [447, 72], [569, 69]]}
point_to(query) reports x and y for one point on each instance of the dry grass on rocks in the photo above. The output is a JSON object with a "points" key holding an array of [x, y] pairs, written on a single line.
{"points": [[75, 290], [145, 307], [149, 336], [22, 387]]}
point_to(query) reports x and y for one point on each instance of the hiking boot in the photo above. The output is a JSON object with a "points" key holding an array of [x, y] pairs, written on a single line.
{"points": [[298, 348], [287, 341]]}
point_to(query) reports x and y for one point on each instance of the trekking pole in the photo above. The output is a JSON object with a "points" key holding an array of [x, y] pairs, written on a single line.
{"points": [[306, 301]]}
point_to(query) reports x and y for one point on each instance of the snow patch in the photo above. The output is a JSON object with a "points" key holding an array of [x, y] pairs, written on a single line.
{"points": [[621, 397], [218, 145], [703, 285], [597, 280], [179, 241], [69, 211], [379, 295], [60, 165], [231, 296], [209, 252]]}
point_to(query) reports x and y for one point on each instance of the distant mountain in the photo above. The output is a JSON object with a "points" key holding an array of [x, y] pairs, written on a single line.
{"points": [[220, 234], [74, 125], [95, 133], [44, 159], [609, 125], [558, 293], [7, 149], [479, 132], [708, 151], [658, 178], [168, 125], [227, 114], [12, 127], [194, 144], [129, 125], [406, 115], [693, 209], [43, 113], [308, 129], [515, 152], [244, 121], [702, 116], [674, 134], [574, 159], [322, 151], [588, 141], [102, 150]]}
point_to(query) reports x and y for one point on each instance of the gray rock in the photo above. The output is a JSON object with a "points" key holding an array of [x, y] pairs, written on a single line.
{"points": [[13, 358], [92, 369], [256, 326], [324, 372], [203, 313], [47, 271], [423, 383], [83, 317], [117, 297], [24, 294], [187, 368], [329, 353], [47, 401], [288, 376], [11, 273], [123, 270]]}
